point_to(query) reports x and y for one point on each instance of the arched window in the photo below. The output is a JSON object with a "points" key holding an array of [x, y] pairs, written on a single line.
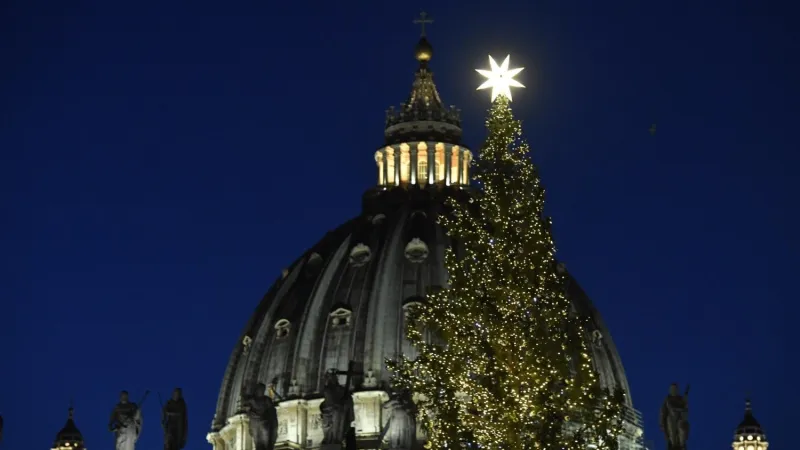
{"points": [[379, 162], [454, 165], [340, 317], [422, 163], [405, 164], [282, 328], [439, 161], [390, 166], [465, 169]]}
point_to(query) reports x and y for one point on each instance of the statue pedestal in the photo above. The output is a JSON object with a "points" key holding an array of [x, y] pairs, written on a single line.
{"points": [[330, 447]]}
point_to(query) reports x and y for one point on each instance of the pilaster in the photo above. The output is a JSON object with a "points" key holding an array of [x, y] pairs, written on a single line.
{"points": [[236, 433], [313, 424], [292, 424], [369, 413], [216, 441]]}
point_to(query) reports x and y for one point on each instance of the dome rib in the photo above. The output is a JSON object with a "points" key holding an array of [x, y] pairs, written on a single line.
{"points": [[368, 292]]}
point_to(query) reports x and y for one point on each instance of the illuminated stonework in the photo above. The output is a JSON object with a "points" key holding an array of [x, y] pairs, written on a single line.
{"points": [[423, 164]]}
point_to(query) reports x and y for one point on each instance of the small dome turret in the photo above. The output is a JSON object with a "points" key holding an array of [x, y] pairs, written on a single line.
{"points": [[749, 434], [69, 438]]}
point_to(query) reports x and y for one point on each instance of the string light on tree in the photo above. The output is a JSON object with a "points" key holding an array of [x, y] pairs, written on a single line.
{"points": [[511, 366], [500, 78]]}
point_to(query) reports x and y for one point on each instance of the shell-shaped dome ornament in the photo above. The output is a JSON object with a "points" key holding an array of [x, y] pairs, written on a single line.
{"points": [[416, 250], [360, 255]]}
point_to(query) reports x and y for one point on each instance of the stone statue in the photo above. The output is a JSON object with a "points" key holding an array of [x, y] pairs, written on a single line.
{"points": [[263, 418], [175, 421], [126, 422], [400, 431], [674, 418], [337, 410]]}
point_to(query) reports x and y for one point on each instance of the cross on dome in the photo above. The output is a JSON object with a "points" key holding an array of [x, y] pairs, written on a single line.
{"points": [[423, 19]]}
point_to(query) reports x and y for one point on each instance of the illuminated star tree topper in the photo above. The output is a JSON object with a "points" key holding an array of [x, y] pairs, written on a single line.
{"points": [[500, 78]]}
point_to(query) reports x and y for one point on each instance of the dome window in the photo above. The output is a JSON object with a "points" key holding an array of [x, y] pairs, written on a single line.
{"points": [[416, 251], [340, 317], [313, 264], [282, 328], [410, 305], [360, 255], [314, 259], [246, 342]]}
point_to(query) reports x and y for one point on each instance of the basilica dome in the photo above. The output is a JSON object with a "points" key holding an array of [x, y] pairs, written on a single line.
{"points": [[342, 304]]}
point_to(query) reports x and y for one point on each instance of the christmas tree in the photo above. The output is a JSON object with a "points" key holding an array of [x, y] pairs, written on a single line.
{"points": [[510, 365]]}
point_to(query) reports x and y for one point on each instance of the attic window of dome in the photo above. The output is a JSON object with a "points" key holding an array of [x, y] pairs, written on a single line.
{"points": [[313, 264], [246, 342], [340, 317], [410, 304], [416, 250], [360, 255], [282, 328]]}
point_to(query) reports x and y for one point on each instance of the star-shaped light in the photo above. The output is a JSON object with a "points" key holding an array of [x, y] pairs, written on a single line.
{"points": [[500, 79]]}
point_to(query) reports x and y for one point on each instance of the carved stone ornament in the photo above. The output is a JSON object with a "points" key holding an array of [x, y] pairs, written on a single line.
{"points": [[370, 380], [378, 219], [360, 255], [246, 342], [294, 388], [282, 328], [341, 317], [416, 250]]}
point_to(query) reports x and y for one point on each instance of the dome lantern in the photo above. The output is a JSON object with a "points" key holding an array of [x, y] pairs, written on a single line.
{"points": [[69, 438], [422, 138], [749, 434]]}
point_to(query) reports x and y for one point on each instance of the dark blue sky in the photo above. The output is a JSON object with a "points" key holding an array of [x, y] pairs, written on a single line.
{"points": [[163, 161]]}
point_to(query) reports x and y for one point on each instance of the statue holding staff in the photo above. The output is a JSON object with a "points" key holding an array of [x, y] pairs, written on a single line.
{"points": [[674, 418], [126, 422]]}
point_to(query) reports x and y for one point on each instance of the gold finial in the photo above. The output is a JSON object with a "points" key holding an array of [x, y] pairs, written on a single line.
{"points": [[424, 50], [423, 19]]}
